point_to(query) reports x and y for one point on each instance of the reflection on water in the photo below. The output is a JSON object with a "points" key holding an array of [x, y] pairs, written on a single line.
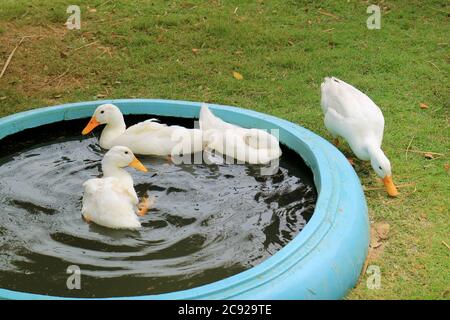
{"points": [[209, 221]]}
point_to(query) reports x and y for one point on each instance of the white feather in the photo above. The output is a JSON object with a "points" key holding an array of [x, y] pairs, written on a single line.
{"points": [[108, 203], [352, 115], [246, 145], [147, 138], [111, 201]]}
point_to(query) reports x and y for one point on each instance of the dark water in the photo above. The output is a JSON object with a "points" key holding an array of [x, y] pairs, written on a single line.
{"points": [[209, 221]]}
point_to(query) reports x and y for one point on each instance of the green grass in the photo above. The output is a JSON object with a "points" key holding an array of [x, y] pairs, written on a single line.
{"points": [[283, 49]]}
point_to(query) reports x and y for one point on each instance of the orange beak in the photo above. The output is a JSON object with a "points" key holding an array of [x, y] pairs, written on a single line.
{"points": [[138, 165], [90, 126], [390, 186]]}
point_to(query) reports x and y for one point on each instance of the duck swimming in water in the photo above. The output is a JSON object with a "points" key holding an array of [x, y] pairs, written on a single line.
{"points": [[145, 138], [111, 201], [253, 146]]}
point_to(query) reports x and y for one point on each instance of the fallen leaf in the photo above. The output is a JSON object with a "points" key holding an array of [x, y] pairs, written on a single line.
{"points": [[376, 247], [423, 106], [194, 50], [382, 229], [428, 155], [446, 166], [93, 10], [57, 96], [2, 98], [237, 75], [374, 239]]}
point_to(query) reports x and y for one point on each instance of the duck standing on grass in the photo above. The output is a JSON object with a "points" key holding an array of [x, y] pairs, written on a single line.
{"points": [[146, 138], [111, 201], [352, 115]]}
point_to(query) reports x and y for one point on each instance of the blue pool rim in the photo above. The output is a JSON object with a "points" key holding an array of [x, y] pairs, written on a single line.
{"points": [[323, 261]]}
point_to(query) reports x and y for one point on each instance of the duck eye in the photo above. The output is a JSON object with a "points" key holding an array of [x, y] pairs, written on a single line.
{"points": [[103, 111], [380, 168], [126, 152]]}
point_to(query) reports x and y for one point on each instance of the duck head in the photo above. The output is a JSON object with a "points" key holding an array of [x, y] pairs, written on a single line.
{"points": [[382, 166], [108, 114], [122, 157]]}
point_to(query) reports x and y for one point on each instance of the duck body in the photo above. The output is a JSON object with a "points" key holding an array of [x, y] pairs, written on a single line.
{"points": [[153, 138], [145, 138], [111, 201], [253, 146], [352, 115]]}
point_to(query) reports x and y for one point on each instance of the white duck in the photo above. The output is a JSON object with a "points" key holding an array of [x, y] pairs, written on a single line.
{"points": [[253, 146], [146, 138], [111, 201], [352, 115]]}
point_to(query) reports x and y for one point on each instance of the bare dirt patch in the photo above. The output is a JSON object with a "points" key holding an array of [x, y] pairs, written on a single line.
{"points": [[379, 234], [49, 61]]}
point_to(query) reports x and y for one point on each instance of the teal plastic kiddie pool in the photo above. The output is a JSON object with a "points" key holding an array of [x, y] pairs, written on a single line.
{"points": [[323, 261]]}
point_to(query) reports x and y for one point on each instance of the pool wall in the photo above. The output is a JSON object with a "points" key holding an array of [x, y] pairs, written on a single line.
{"points": [[323, 261]]}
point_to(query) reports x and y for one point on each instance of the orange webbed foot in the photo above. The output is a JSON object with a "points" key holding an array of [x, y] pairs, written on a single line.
{"points": [[145, 205], [86, 219]]}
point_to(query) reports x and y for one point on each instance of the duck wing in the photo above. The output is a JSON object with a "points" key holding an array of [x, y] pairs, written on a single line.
{"points": [[347, 103], [149, 138], [145, 127], [337, 97], [107, 202], [99, 191]]}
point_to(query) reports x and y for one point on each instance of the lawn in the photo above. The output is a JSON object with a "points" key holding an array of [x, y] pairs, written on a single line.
{"points": [[189, 50]]}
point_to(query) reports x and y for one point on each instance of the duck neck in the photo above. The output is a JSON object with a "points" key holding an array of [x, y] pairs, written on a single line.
{"points": [[375, 151], [112, 170], [113, 130], [379, 161]]}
